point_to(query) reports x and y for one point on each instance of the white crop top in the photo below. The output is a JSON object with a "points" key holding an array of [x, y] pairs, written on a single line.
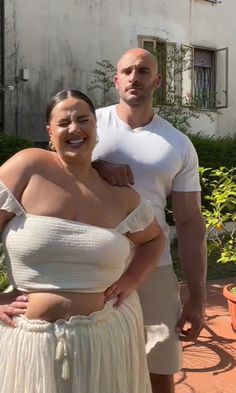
{"points": [[49, 253]]}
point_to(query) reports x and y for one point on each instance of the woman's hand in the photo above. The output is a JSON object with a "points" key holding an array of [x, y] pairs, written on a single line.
{"points": [[149, 245], [10, 306], [121, 289]]}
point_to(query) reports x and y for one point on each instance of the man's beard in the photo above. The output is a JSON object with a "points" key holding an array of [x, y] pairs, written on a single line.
{"points": [[136, 101]]}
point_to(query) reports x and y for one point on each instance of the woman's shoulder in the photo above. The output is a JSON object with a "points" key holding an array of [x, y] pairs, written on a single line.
{"points": [[27, 156], [18, 169], [129, 197], [139, 213], [31, 153]]}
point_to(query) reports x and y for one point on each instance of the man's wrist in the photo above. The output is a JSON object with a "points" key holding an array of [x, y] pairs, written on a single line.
{"points": [[198, 299], [100, 161]]}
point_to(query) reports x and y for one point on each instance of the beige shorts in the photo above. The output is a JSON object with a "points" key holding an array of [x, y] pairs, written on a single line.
{"points": [[160, 302]]}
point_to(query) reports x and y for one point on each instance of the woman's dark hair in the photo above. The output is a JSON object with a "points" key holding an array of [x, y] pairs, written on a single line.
{"points": [[63, 95]]}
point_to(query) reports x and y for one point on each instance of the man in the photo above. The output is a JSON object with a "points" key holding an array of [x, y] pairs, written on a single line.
{"points": [[163, 162]]}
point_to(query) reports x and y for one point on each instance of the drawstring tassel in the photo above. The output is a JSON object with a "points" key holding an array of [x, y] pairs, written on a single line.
{"points": [[60, 350], [65, 374]]}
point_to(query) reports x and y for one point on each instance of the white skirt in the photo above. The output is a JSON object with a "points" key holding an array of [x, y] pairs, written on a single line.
{"points": [[101, 353]]}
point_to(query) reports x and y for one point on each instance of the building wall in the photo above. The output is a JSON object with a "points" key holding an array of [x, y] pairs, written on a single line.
{"points": [[60, 42]]}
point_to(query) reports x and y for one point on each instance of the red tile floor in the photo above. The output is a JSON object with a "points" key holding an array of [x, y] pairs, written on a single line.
{"points": [[209, 364]]}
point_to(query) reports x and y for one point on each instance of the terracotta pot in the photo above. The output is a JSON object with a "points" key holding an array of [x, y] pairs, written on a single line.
{"points": [[231, 299]]}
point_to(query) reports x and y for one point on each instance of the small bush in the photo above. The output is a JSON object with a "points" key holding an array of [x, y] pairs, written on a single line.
{"points": [[215, 152], [3, 274], [9, 145], [220, 217]]}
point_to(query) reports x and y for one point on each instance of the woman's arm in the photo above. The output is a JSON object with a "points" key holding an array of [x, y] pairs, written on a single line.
{"points": [[11, 304], [14, 173], [148, 247]]}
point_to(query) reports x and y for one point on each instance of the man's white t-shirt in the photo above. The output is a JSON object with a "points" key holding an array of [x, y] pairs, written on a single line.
{"points": [[162, 159]]}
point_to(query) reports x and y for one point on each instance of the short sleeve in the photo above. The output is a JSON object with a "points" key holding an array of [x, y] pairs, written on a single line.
{"points": [[187, 179], [8, 202], [138, 219]]}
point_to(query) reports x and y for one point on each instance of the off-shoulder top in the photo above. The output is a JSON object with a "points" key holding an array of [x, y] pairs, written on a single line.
{"points": [[49, 253]]}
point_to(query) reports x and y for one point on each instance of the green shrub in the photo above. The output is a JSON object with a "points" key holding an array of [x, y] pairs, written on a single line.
{"points": [[3, 275], [10, 144], [220, 217], [215, 152], [103, 82]]}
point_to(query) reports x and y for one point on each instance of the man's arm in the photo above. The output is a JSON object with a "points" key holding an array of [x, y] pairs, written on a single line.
{"points": [[192, 248]]}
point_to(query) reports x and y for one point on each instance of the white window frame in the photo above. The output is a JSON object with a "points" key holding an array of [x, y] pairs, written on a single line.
{"points": [[183, 84], [214, 1], [220, 78]]}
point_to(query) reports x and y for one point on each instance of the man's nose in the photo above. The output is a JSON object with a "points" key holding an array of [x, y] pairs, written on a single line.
{"points": [[133, 76]]}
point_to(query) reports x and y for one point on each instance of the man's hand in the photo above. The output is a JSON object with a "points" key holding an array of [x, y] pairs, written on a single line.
{"points": [[191, 321], [121, 289], [10, 306], [114, 174]]}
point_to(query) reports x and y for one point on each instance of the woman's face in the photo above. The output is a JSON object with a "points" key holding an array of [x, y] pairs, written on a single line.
{"points": [[72, 129]]}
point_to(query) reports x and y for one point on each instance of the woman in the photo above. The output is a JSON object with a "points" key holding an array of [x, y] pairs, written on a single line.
{"points": [[67, 238]]}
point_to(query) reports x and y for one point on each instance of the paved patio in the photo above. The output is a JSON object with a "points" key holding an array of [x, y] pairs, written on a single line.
{"points": [[209, 364]]}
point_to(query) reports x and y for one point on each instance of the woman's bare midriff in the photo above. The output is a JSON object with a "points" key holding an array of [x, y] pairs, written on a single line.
{"points": [[51, 306]]}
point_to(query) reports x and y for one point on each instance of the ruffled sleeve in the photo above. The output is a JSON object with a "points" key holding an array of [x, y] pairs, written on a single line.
{"points": [[8, 202], [138, 219]]}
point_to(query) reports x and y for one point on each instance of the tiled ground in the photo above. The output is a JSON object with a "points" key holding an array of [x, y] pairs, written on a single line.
{"points": [[209, 364]]}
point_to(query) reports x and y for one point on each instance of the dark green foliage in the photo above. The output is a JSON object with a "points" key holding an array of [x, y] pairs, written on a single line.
{"points": [[220, 215], [214, 270], [3, 274], [10, 144], [215, 152]]}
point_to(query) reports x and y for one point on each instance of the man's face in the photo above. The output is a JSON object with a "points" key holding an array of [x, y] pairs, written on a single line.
{"points": [[137, 78]]}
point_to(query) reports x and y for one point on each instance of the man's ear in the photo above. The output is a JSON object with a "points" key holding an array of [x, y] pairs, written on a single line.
{"points": [[157, 81], [116, 82]]}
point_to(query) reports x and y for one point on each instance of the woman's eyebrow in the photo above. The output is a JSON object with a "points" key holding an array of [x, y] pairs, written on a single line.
{"points": [[82, 116]]}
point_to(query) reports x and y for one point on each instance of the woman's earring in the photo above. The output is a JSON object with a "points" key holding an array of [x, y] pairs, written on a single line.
{"points": [[51, 145], [97, 139]]}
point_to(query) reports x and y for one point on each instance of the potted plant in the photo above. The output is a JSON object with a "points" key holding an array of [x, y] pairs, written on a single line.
{"points": [[229, 293], [220, 216]]}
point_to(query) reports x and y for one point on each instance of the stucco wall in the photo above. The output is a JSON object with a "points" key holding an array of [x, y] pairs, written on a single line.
{"points": [[60, 41]]}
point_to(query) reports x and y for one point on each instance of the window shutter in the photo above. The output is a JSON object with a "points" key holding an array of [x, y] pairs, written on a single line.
{"points": [[203, 58], [170, 72], [187, 74], [221, 78]]}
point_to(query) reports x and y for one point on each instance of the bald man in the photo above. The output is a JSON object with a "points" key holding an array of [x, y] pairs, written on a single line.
{"points": [[164, 163]]}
